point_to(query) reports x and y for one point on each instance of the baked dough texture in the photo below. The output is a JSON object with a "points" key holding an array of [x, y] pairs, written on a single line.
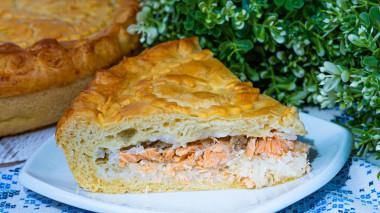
{"points": [[174, 93], [45, 45]]}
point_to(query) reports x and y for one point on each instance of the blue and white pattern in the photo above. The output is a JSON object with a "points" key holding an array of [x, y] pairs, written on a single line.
{"points": [[354, 189], [15, 198]]}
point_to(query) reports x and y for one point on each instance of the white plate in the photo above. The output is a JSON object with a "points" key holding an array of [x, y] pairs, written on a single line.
{"points": [[47, 173]]}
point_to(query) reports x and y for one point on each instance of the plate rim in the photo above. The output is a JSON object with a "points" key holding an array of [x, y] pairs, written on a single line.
{"points": [[54, 193], [73, 199]]}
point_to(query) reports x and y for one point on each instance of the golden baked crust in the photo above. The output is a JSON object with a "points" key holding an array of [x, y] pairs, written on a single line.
{"points": [[175, 77], [52, 43]]}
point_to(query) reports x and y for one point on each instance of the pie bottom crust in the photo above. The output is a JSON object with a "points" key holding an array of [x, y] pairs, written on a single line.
{"points": [[38, 109]]}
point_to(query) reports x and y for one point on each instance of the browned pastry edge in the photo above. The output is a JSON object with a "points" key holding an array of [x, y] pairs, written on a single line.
{"points": [[50, 63]]}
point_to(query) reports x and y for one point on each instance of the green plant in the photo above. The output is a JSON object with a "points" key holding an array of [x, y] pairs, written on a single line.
{"points": [[302, 52], [352, 78]]}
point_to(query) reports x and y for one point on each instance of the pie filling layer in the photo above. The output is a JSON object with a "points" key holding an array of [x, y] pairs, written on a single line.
{"points": [[255, 161]]}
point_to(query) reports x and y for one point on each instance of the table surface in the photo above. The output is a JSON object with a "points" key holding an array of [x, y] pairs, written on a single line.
{"points": [[355, 188]]}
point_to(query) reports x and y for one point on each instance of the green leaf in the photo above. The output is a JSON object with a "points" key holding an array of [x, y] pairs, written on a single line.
{"points": [[280, 79], [376, 75], [225, 46], [265, 74], [319, 47], [218, 19], [331, 84], [281, 96], [356, 40], [342, 4], [374, 40], [238, 25], [269, 91], [245, 45], [300, 95], [298, 72], [260, 34], [298, 4], [374, 13], [356, 131], [331, 68], [161, 27], [279, 2], [287, 86], [342, 68], [271, 46], [312, 87], [152, 34], [252, 74], [270, 20], [370, 61], [277, 36], [377, 53], [345, 76], [133, 28], [309, 25], [289, 5], [342, 47], [230, 6], [202, 6], [364, 18]]}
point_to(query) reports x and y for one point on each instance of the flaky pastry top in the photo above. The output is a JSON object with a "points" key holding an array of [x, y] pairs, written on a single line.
{"points": [[173, 77], [46, 43]]}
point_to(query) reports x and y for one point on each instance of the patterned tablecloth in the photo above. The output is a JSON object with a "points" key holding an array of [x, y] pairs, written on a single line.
{"points": [[354, 189]]}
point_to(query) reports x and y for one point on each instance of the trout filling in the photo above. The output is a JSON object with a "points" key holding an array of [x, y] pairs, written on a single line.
{"points": [[211, 152], [249, 162]]}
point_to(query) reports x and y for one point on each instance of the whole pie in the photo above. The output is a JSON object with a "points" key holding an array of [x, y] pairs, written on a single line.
{"points": [[50, 49]]}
